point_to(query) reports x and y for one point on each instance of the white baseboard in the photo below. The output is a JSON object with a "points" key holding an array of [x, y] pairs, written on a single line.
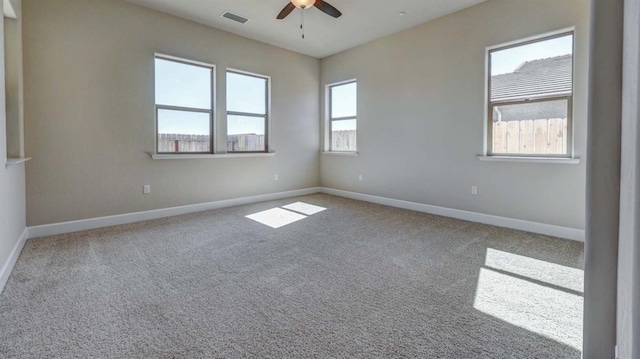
{"points": [[93, 223], [528, 226], [13, 257]]}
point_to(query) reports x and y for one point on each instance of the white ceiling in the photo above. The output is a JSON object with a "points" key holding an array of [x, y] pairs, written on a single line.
{"points": [[362, 20]]}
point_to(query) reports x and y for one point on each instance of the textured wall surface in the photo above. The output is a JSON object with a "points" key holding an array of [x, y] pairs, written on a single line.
{"points": [[603, 179], [89, 119], [12, 178], [421, 111], [628, 326]]}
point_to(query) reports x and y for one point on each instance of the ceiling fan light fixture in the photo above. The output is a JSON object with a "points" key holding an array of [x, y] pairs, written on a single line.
{"points": [[303, 4]]}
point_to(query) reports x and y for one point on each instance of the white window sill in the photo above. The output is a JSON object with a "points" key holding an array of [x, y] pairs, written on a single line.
{"points": [[16, 161], [566, 161], [209, 156], [339, 153]]}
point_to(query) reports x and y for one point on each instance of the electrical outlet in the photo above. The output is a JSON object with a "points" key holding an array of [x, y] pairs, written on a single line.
{"points": [[360, 178], [474, 190], [275, 177], [147, 189]]}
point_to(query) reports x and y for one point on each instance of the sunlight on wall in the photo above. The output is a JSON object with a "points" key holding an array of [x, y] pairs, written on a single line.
{"points": [[542, 297]]}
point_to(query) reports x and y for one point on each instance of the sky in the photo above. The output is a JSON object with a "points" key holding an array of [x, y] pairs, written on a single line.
{"points": [[506, 61], [344, 104], [183, 85], [246, 94]]}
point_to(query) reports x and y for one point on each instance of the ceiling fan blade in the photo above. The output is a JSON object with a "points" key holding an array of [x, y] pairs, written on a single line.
{"points": [[286, 11], [327, 8]]}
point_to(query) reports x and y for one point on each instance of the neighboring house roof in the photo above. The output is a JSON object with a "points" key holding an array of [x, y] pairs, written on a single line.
{"points": [[551, 76]]}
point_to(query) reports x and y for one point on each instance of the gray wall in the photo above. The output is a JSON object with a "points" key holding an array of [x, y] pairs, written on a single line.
{"points": [[421, 116], [89, 120], [12, 179], [603, 179], [628, 326]]}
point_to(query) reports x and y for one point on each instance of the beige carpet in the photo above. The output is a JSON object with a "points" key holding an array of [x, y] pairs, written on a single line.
{"points": [[355, 280]]}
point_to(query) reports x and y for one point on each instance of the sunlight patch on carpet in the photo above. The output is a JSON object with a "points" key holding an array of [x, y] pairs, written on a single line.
{"points": [[276, 217], [304, 208], [562, 276], [541, 297]]}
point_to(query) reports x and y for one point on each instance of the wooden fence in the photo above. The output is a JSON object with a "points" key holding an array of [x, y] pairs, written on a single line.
{"points": [[343, 140], [247, 142], [171, 142], [168, 142], [530, 137], [524, 137]]}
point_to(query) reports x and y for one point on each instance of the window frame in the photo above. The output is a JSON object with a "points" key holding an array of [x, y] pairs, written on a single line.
{"points": [[266, 116], [490, 105], [347, 118], [211, 111]]}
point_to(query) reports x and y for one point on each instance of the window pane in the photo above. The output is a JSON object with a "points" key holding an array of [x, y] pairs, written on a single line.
{"points": [[344, 100], [179, 84], [245, 133], [343, 135], [182, 131], [538, 128], [542, 68], [246, 94]]}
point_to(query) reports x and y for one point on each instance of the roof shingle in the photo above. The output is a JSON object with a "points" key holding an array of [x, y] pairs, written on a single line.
{"points": [[544, 77]]}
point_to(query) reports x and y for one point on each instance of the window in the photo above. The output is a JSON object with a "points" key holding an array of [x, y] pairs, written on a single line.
{"points": [[247, 112], [530, 98], [184, 106], [343, 116]]}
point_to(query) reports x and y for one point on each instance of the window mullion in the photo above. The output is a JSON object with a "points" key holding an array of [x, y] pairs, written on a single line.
{"points": [[344, 118], [185, 109], [245, 114]]}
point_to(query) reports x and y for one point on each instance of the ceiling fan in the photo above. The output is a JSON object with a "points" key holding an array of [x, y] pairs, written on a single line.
{"points": [[322, 5]]}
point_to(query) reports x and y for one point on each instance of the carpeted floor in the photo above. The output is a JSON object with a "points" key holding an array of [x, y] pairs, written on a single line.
{"points": [[355, 280]]}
